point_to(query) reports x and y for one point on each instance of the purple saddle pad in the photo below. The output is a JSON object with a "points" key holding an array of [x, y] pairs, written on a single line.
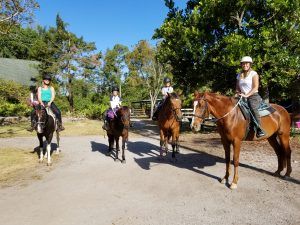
{"points": [[110, 114]]}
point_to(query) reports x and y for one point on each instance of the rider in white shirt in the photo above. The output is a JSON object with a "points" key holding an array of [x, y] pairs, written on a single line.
{"points": [[115, 103], [247, 86], [165, 90]]}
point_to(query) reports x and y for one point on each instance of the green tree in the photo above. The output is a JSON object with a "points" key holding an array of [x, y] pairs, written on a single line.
{"points": [[114, 65], [142, 62], [70, 58], [206, 41], [15, 12]]}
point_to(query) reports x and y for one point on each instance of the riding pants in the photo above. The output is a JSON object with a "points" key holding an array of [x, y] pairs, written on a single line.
{"points": [[56, 111], [254, 102]]}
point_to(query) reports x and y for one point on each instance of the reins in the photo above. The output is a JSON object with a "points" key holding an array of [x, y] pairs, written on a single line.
{"points": [[202, 115]]}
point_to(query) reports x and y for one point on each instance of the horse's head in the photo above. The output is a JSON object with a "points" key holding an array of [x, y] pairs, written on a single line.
{"points": [[41, 115], [175, 105], [123, 115], [200, 111]]}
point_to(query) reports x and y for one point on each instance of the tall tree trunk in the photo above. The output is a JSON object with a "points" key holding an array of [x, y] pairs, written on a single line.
{"points": [[70, 91]]}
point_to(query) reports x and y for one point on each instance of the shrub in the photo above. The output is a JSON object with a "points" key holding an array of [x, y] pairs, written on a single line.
{"points": [[95, 111], [10, 109]]}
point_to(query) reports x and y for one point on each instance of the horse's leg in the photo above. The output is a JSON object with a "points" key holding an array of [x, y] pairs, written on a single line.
{"points": [[166, 143], [57, 141], [40, 137], [236, 156], [117, 148], [226, 146], [162, 138], [110, 144], [284, 140], [177, 143], [174, 143], [124, 138], [277, 148], [49, 139]]}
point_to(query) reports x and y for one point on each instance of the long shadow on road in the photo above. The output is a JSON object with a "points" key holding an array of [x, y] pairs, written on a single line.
{"points": [[193, 161]]}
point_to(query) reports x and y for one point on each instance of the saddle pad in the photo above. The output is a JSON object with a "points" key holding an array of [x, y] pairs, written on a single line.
{"points": [[50, 113]]}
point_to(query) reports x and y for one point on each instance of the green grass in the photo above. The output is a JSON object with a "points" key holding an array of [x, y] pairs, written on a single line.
{"points": [[73, 128], [16, 165]]}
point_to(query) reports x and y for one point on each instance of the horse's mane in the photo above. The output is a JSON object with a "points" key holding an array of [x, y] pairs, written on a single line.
{"points": [[215, 96]]}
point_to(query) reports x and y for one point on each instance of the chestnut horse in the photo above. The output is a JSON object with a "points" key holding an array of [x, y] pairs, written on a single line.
{"points": [[119, 126], [169, 118], [232, 128]]}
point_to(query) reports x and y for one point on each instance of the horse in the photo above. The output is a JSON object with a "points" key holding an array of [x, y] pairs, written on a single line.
{"points": [[232, 128], [169, 120], [119, 126], [46, 126]]}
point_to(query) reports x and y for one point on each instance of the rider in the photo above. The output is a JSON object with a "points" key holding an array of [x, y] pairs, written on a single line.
{"points": [[115, 103], [165, 90], [33, 101], [247, 86], [46, 96]]}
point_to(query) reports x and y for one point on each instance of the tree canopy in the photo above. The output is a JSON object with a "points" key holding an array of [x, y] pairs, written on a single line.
{"points": [[205, 42]]}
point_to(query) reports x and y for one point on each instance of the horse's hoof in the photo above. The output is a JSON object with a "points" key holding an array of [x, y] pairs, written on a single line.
{"points": [[56, 152], [49, 164], [233, 186], [224, 181], [123, 161], [277, 174], [40, 160], [116, 160], [108, 153]]}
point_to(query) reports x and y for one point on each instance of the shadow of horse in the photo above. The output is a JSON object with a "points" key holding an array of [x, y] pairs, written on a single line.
{"points": [[36, 150]]}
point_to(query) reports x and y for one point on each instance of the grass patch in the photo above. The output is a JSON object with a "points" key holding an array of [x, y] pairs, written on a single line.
{"points": [[16, 165], [82, 127], [73, 128], [15, 130]]}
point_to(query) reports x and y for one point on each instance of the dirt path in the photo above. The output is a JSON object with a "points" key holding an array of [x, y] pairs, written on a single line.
{"points": [[86, 187]]}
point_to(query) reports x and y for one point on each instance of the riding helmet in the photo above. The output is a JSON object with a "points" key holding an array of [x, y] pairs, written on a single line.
{"points": [[247, 59], [115, 88], [167, 80], [47, 77]]}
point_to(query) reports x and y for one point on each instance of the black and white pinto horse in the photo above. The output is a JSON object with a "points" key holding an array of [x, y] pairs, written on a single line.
{"points": [[46, 126]]}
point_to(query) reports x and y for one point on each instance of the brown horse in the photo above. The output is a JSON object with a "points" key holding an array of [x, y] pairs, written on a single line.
{"points": [[119, 126], [169, 118], [232, 128]]}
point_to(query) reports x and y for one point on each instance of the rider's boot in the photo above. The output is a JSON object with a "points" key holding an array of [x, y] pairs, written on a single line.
{"points": [[105, 125], [32, 126], [60, 127], [260, 133], [155, 116]]}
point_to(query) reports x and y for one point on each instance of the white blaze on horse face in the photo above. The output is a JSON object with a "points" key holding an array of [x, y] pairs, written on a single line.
{"points": [[194, 111], [39, 128]]}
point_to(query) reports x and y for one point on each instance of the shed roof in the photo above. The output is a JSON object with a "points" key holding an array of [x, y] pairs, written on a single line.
{"points": [[18, 70]]}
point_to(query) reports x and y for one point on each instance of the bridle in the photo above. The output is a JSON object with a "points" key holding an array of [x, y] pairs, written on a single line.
{"points": [[204, 110], [174, 111], [202, 114]]}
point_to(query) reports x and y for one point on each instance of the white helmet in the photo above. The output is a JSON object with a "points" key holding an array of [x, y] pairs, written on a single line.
{"points": [[247, 59]]}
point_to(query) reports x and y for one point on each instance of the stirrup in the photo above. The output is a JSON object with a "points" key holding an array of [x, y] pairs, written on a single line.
{"points": [[260, 133]]}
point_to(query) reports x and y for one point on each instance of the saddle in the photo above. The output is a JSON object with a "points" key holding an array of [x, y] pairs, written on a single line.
{"points": [[264, 109], [51, 113]]}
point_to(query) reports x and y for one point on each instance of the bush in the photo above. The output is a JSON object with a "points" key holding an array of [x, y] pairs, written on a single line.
{"points": [[10, 109], [95, 111]]}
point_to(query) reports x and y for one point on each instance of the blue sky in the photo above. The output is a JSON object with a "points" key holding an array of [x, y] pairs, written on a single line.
{"points": [[107, 22]]}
